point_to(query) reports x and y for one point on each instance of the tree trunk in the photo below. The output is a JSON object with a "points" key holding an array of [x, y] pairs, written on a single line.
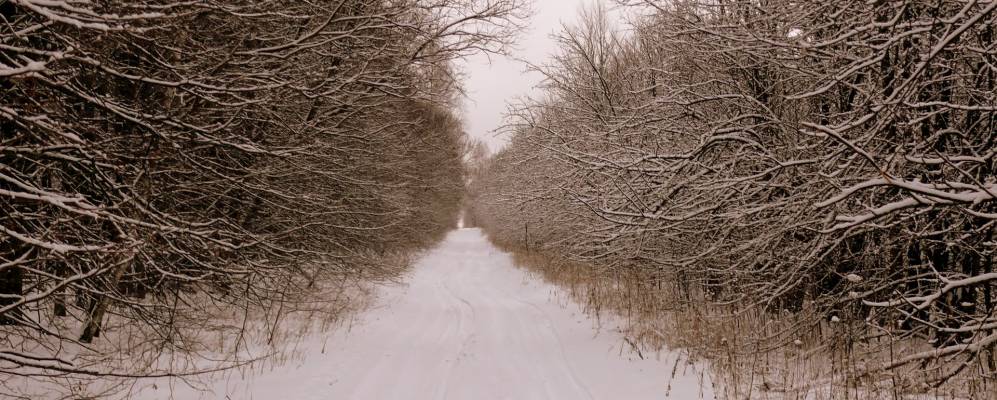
{"points": [[11, 284], [59, 297], [98, 305]]}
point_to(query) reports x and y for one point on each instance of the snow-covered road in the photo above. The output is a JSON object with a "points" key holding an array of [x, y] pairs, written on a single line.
{"points": [[470, 325]]}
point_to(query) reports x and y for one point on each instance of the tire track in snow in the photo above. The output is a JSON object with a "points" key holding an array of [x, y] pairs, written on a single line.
{"points": [[560, 346], [455, 360]]}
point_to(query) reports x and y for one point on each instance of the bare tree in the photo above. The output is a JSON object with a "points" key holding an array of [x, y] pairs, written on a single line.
{"points": [[833, 161], [160, 161]]}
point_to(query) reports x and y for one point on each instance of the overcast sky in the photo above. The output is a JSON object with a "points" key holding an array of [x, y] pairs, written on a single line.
{"points": [[490, 86]]}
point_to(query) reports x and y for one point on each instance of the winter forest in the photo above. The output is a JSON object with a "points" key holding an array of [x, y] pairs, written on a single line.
{"points": [[740, 199]]}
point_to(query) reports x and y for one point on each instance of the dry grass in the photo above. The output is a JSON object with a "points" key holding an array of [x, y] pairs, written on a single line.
{"points": [[754, 353]]}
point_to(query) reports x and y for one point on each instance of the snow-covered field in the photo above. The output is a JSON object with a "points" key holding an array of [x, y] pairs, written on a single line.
{"points": [[466, 324]]}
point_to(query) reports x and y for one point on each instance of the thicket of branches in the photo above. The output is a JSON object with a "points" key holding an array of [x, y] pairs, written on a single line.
{"points": [[158, 157], [833, 159]]}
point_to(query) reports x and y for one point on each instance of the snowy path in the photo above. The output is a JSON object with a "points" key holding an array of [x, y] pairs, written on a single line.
{"points": [[470, 325]]}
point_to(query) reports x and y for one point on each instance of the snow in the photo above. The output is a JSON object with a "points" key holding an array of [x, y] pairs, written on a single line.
{"points": [[467, 324], [31, 67]]}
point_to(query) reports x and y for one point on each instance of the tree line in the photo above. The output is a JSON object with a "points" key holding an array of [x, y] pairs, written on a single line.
{"points": [[834, 160], [157, 157]]}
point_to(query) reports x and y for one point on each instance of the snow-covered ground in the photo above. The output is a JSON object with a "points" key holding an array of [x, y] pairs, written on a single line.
{"points": [[466, 324]]}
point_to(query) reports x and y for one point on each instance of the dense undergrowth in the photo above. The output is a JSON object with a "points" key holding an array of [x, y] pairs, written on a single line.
{"points": [[171, 169], [817, 175]]}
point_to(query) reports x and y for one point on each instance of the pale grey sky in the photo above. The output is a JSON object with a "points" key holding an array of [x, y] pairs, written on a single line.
{"points": [[490, 86]]}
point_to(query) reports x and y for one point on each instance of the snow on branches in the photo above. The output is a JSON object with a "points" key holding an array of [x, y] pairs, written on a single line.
{"points": [[769, 152]]}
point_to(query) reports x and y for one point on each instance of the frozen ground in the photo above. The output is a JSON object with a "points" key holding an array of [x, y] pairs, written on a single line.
{"points": [[466, 324]]}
